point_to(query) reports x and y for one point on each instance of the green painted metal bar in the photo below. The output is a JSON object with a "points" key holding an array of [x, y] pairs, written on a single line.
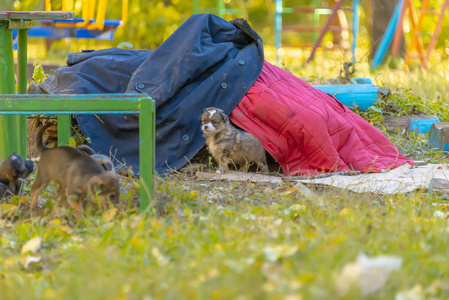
{"points": [[17, 104], [221, 10], [8, 129], [6, 60], [112, 96], [64, 126], [234, 11], [29, 105], [146, 153], [21, 121], [196, 6], [22, 61]]}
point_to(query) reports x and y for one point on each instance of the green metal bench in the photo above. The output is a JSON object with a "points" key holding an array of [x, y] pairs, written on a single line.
{"points": [[14, 108], [66, 105]]}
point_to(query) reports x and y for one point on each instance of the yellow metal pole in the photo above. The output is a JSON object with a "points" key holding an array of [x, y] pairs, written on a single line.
{"points": [[414, 42], [420, 47], [67, 5], [101, 15], [85, 14], [47, 5], [125, 5]]}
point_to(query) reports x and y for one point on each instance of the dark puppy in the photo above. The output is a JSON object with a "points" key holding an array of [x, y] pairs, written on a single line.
{"points": [[78, 174], [4, 191], [101, 159], [228, 144], [13, 170]]}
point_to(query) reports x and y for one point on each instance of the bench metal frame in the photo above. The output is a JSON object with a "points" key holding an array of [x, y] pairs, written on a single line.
{"points": [[65, 105]]}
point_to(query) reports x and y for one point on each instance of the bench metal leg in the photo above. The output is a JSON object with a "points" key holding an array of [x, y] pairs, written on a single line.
{"points": [[9, 132], [22, 88], [146, 152]]}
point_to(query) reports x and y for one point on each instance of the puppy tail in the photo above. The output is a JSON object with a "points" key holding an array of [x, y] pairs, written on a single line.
{"points": [[39, 144], [86, 149]]}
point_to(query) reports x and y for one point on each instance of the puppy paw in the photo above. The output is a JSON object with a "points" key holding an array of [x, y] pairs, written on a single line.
{"points": [[220, 171]]}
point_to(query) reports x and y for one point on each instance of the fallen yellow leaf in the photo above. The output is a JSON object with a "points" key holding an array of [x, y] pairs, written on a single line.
{"points": [[32, 245], [109, 215], [346, 212], [7, 208]]}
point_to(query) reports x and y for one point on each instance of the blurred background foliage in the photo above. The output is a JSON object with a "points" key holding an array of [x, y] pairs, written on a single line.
{"points": [[151, 22]]}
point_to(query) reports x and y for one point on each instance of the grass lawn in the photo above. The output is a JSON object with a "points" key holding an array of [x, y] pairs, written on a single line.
{"points": [[239, 240]]}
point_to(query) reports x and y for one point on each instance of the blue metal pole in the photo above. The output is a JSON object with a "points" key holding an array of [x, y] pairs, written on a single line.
{"points": [[278, 28], [355, 28], [387, 37]]}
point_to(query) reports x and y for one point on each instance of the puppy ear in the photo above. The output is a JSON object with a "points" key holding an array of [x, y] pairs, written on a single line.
{"points": [[205, 109], [201, 116], [225, 117], [107, 165]]}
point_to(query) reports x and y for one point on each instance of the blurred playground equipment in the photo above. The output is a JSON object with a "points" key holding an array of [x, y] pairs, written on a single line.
{"points": [[220, 9], [335, 12], [416, 47], [90, 24]]}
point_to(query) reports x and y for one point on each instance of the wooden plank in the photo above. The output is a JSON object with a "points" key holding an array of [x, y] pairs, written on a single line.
{"points": [[401, 123], [439, 186], [412, 123], [238, 176], [37, 15]]}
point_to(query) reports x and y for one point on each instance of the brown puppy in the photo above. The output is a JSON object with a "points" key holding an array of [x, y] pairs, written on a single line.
{"points": [[228, 144], [13, 170], [80, 175]]}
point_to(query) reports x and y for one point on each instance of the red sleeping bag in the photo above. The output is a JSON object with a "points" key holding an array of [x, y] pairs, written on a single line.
{"points": [[309, 131]]}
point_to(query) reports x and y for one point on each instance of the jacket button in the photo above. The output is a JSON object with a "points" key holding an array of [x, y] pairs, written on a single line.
{"points": [[224, 85], [241, 62], [185, 137], [141, 85]]}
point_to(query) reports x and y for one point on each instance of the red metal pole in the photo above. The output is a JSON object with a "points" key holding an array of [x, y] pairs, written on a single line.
{"points": [[326, 27], [399, 30], [433, 42]]}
